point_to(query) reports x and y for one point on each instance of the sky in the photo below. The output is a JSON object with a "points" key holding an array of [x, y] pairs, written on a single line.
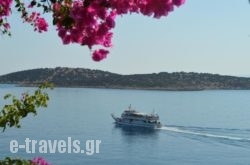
{"points": [[205, 36]]}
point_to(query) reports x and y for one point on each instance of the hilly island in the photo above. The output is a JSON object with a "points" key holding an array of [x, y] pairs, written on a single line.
{"points": [[79, 77]]}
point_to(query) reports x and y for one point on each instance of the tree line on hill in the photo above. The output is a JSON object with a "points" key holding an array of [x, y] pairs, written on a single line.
{"points": [[79, 77]]}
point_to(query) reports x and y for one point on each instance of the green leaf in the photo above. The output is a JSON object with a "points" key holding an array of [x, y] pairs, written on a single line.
{"points": [[20, 108], [17, 5], [7, 96], [33, 3]]}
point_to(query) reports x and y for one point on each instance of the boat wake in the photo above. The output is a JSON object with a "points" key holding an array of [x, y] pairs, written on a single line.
{"points": [[229, 136]]}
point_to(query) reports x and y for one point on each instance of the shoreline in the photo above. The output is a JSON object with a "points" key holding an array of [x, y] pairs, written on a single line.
{"points": [[128, 88]]}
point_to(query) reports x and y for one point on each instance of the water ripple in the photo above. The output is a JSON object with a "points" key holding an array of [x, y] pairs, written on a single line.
{"points": [[237, 137]]}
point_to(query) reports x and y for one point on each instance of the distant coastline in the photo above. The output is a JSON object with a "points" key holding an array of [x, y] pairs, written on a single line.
{"points": [[87, 78]]}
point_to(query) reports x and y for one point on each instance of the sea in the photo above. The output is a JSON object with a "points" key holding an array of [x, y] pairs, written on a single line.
{"points": [[199, 128]]}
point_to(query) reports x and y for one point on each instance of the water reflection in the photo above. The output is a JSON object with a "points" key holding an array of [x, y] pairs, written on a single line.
{"points": [[136, 131]]}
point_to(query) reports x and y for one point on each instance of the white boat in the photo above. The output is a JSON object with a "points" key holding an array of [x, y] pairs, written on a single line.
{"points": [[131, 117]]}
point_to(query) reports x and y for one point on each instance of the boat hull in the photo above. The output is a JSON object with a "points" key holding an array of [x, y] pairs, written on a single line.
{"points": [[136, 123]]}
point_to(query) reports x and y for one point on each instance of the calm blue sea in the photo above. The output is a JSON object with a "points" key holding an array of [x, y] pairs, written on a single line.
{"points": [[201, 127]]}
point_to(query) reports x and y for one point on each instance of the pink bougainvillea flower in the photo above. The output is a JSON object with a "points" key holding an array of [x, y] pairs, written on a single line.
{"points": [[6, 25], [66, 39], [39, 161], [5, 7], [38, 22], [41, 25], [178, 2], [100, 54]]}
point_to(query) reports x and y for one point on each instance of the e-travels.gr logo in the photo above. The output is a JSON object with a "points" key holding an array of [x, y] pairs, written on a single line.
{"points": [[56, 146]]}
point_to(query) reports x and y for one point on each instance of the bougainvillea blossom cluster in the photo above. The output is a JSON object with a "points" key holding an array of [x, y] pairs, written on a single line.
{"points": [[5, 10], [157, 8], [39, 161], [85, 24], [88, 22], [38, 22]]}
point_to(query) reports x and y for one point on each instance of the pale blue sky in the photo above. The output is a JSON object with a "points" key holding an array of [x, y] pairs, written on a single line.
{"points": [[211, 36]]}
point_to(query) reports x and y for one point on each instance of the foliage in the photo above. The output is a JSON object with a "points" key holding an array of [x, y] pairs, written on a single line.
{"points": [[17, 161], [85, 22], [11, 114]]}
